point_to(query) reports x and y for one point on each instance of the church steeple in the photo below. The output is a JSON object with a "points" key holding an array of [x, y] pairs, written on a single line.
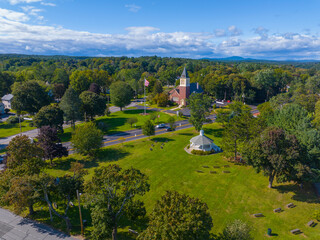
{"points": [[184, 79], [184, 73]]}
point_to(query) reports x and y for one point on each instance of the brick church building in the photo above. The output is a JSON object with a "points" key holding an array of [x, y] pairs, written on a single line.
{"points": [[180, 94]]}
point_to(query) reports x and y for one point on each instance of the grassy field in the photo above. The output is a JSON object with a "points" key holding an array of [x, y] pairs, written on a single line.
{"points": [[237, 194], [7, 130], [117, 122]]}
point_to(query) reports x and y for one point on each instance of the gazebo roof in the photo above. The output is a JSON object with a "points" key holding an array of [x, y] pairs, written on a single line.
{"points": [[201, 139]]}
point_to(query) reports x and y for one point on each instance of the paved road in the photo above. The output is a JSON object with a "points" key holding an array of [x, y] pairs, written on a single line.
{"points": [[13, 227], [127, 135], [34, 133]]}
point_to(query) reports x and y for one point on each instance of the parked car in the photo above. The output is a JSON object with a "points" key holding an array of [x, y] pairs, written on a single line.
{"points": [[161, 125]]}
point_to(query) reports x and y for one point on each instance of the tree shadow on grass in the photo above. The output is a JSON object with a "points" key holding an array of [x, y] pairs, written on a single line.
{"points": [[112, 123], [162, 139], [185, 134], [65, 164], [215, 132], [137, 111], [111, 154], [307, 194], [103, 155]]}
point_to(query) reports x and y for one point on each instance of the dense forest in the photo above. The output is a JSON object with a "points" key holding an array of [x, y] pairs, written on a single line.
{"points": [[252, 82]]}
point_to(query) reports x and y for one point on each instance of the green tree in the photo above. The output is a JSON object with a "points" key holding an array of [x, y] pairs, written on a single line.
{"points": [[60, 76], [80, 80], [21, 194], [71, 104], [171, 121], [24, 156], [92, 104], [30, 97], [316, 120], [161, 99], [62, 190], [23, 163], [295, 120], [111, 194], [199, 105], [237, 230], [121, 94], [148, 128], [157, 88], [275, 153], [178, 216], [6, 80], [50, 115], [238, 131], [132, 120], [87, 138], [59, 90]]}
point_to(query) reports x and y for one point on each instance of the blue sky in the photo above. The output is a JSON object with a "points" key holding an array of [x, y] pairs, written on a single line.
{"points": [[259, 29]]}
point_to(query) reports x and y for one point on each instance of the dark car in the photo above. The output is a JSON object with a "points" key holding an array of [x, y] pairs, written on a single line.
{"points": [[169, 129]]}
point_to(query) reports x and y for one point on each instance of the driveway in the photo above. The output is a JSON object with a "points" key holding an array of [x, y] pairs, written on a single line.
{"points": [[13, 227]]}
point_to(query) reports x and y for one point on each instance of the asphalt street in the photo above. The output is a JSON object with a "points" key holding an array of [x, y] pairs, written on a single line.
{"points": [[13, 227]]}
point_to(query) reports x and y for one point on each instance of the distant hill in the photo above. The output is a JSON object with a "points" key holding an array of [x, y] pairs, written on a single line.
{"points": [[241, 59]]}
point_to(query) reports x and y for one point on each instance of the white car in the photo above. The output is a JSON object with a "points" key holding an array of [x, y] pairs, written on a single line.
{"points": [[161, 125]]}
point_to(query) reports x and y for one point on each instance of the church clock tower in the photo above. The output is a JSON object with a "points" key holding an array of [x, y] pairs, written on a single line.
{"points": [[184, 87]]}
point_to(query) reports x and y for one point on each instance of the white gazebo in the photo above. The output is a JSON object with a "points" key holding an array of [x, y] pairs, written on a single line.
{"points": [[203, 143]]}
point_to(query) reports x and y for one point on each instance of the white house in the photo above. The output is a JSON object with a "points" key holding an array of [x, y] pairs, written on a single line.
{"points": [[201, 142], [6, 100]]}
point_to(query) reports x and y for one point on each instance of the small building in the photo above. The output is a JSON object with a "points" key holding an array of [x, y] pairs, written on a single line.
{"points": [[180, 94], [6, 100], [201, 142]]}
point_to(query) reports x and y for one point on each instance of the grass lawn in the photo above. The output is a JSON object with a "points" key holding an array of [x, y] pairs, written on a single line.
{"points": [[7, 130], [117, 122], [156, 106], [237, 194]]}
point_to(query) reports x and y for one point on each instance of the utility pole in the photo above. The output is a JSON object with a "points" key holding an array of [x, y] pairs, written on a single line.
{"points": [[81, 222]]}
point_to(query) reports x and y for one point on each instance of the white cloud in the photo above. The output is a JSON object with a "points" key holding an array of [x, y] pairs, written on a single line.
{"points": [[48, 4], [234, 31], [220, 33], [32, 11], [14, 2], [13, 15], [132, 7], [141, 30], [19, 37], [262, 32], [231, 31]]}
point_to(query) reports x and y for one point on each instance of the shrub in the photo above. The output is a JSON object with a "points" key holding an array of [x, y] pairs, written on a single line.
{"points": [[237, 230], [31, 124], [7, 110], [200, 152], [14, 119]]}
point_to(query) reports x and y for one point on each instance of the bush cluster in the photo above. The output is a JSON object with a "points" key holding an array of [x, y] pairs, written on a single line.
{"points": [[14, 119], [200, 152]]}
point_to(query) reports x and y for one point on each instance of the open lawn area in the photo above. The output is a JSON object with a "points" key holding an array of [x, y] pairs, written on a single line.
{"points": [[7, 130], [117, 122], [237, 194]]}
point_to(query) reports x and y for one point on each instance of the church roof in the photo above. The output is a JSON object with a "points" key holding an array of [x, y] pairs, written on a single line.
{"points": [[184, 73], [195, 88]]}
